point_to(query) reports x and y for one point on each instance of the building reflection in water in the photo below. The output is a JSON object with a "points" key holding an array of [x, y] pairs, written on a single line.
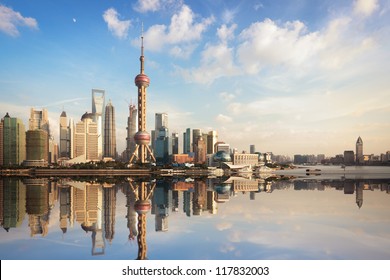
{"points": [[142, 194], [92, 205]]}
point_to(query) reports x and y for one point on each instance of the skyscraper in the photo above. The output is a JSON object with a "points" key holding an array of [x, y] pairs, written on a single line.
{"points": [[163, 146], [65, 136], [187, 141], [161, 120], [14, 141], [142, 138], [359, 151], [200, 150], [86, 138], [175, 143], [109, 131], [211, 140], [98, 116], [252, 149], [37, 145], [39, 119], [196, 133], [131, 130]]}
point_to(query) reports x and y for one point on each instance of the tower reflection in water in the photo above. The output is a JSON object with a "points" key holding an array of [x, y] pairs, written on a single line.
{"points": [[140, 195]]}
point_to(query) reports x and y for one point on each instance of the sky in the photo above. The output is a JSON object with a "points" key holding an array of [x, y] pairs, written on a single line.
{"points": [[291, 77]]}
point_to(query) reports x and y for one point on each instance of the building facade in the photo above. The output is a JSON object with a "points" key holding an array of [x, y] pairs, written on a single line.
{"points": [[14, 141], [37, 147], [131, 130], [109, 131], [98, 110], [200, 150], [163, 151], [359, 151], [212, 139], [86, 139]]}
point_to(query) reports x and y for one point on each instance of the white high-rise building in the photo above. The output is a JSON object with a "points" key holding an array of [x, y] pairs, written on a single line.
{"points": [[98, 110]]}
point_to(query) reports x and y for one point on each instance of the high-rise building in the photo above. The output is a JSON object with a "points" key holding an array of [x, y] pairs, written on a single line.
{"points": [[212, 139], [66, 136], [86, 139], [37, 145], [109, 131], [161, 120], [163, 150], [175, 143], [196, 133], [131, 130], [349, 157], [187, 141], [200, 150], [14, 141], [142, 137], [39, 119], [359, 151], [98, 107], [252, 149]]}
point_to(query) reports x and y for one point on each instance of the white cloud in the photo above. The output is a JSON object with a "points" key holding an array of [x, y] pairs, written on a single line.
{"points": [[223, 119], [118, 27], [144, 6], [226, 33], [228, 15], [225, 96], [183, 29], [365, 7], [267, 44], [10, 19]]}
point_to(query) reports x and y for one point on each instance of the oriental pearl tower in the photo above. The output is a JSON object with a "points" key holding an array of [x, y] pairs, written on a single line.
{"points": [[142, 137]]}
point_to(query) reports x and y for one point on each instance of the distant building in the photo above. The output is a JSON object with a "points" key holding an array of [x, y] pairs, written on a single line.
{"points": [[98, 110], [131, 131], [182, 158], [196, 133], [39, 119], [86, 139], [349, 157], [252, 149], [221, 146], [66, 136], [212, 139], [187, 141], [37, 148], [245, 159], [160, 120], [200, 150], [175, 143], [163, 149], [13, 141], [109, 131], [359, 151]]}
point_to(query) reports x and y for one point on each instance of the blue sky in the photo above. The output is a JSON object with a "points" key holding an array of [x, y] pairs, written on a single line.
{"points": [[288, 76]]}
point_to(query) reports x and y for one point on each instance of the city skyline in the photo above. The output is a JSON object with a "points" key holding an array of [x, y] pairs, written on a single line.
{"points": [[302, 77]]}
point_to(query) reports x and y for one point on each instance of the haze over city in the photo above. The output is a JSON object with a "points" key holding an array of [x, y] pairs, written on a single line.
{"points": [[297, 77]]}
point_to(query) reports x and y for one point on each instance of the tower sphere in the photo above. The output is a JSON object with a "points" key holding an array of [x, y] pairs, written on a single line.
{"points": [[142, 206], [142, 80], [142, 138]]}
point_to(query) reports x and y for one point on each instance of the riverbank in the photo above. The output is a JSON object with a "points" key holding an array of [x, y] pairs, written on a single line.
{"points": [[130, 172]]}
